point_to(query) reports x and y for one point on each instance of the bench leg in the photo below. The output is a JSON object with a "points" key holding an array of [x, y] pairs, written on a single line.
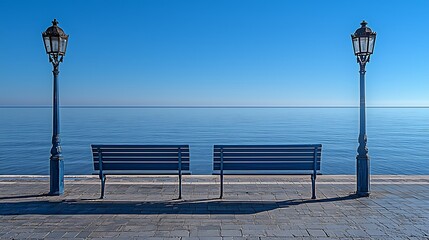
{"points": [[313, 186], [103, 183], [221, 186], [180, 186]]}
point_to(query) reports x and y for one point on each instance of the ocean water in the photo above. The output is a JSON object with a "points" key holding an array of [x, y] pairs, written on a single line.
{"points": [[398, 138]]}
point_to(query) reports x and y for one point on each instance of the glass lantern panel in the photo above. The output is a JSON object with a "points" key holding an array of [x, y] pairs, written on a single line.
{"points": [[55, 43], [363, 44], [63, 45], [371, 44], [47, 43], [356, 45]]}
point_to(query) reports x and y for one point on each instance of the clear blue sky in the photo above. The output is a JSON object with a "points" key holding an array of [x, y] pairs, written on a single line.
{"points": [[215, 52]]}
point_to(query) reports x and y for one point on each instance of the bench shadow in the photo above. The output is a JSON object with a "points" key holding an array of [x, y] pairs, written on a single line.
{"points": [[25, 196], [213, 206]]}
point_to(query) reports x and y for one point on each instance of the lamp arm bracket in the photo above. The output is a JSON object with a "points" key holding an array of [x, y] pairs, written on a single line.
{"points": [[53, 58]]}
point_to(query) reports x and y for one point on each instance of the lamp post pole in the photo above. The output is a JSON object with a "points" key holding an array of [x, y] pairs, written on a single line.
{"points": [[363, 41], [55, 41], [362, 158], [56, 159]]}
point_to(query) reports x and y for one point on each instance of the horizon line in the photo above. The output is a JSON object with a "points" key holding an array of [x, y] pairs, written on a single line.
{"points": [[197, 106]]}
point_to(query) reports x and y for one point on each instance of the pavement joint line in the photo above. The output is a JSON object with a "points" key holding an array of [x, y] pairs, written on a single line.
{"points": [[217, 183], [95, 176]]}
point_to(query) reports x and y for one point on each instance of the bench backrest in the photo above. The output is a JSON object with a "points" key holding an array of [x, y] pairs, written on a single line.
{"points": [[129, 158], [267, 157]]}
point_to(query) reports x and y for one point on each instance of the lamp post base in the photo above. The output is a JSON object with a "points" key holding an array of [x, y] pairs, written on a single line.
{"points": [[56, 177], [363, 182], [362, 194]]}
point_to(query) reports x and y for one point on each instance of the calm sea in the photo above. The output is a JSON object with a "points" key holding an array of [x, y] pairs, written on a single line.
{"points": [[398, 138]]}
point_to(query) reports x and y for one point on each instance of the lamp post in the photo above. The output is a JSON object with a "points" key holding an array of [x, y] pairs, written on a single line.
{"points": [[55, 41], [363, 45]]}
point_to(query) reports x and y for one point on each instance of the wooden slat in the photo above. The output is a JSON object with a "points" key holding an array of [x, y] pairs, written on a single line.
{"points": [[266, 166], [246, 155], [266, 150], [267, 155], [141, 162], [138, 146], [157, 161], [278, 159], [267, 146], [139, 166], [142, 150], [148, 158], [142, 154]]}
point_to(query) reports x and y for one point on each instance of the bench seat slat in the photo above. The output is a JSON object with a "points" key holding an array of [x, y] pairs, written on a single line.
{"points": [[159, 159], [268, 158], [185, 165], [267, 166], [247, 160], [253, 154], [145, 172], [268, 150], [296, 146], [141, 162], [95, 146], [141, 166], [139, 154], [143, 150]]}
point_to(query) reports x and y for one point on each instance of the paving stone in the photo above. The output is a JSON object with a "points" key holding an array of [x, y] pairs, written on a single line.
{"points": [[145, 234], [36, 235], [201, 238], [374, 232], [205, 233], [279, 233], [299, 233], [179, 233], [230, 233], [23, 235], [83, 234], [357, 233], [104, 234], [55, 234], [316, 233], [250, 233], [70, 234]]}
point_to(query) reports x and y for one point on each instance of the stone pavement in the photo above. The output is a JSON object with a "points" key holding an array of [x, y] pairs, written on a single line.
{"points": [[254, 207]]}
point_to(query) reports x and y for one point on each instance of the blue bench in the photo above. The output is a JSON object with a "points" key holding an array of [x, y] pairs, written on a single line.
{"points": [[140, 159], [267, 159]]}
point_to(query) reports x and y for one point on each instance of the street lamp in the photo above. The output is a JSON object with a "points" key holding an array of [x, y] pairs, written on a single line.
{"points": [[55, 41], [363, 45]]}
